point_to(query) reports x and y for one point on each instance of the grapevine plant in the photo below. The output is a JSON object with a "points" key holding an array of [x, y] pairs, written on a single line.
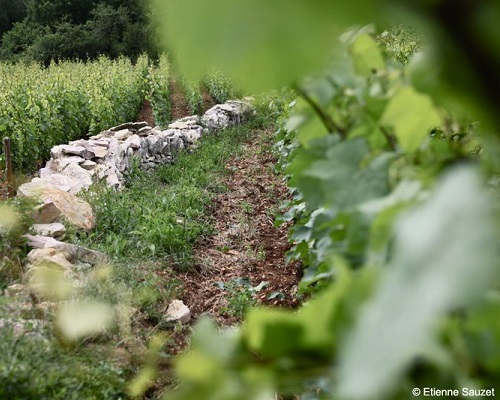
{"points": [[395, 210], [44, 107]]}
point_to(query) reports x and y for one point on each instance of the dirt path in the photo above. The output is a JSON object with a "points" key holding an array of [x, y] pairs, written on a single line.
{"points": [[146, 113], [180, 106], [247, 250]]}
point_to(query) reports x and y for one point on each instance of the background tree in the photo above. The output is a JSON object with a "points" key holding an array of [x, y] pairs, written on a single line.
{"points": [[48, 30]]}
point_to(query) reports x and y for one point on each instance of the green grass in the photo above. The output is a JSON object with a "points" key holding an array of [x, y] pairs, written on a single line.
{"points": [[34, 368], [161, 214], [149, 228]]}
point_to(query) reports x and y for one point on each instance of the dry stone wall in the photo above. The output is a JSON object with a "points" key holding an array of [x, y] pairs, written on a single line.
{"points": [[74, 167], [107, 156]]}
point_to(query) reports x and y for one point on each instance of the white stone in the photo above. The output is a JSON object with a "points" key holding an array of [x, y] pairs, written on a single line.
{"points": [[46, 213], [37, 254], [88, 165], [99, 143], [55, 230], [76, 211], [178, 312], [57, 181], [133, 142], [81, 176], [78, 151], [123, 134], [71, 251], [101, 151]]}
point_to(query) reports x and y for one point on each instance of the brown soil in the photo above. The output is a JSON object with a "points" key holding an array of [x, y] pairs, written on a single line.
{"points": [[146, 114], [246, 244], [180, 106], [208, 100]]}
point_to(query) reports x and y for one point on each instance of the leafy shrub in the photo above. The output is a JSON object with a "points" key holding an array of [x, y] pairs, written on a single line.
{"points": [[158, 91], [192, 92], [219, 86]]}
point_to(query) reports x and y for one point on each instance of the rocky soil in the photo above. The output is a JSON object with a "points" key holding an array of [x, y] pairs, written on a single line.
{"points": [[247, 250]]}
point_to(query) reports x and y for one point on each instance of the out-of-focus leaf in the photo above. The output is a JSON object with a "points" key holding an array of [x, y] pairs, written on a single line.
{"points": [[84, 318], [435, 269], [8, 218], [412, 115], [340, 179], [142, 382], [273, 333], [262, 44], [366, 55], [49, 281]]}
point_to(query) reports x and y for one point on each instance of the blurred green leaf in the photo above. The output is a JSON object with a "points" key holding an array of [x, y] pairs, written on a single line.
{"points": [[412, 115], [340, 178], [435, 270], [84, 318], [366, 55], [262, 44]]}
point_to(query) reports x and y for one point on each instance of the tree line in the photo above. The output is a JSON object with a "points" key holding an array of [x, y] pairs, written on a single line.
{"points": [[46, 30]]}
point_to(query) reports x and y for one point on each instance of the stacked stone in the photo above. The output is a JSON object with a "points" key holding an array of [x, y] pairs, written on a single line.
{"points": [[108, 155]]}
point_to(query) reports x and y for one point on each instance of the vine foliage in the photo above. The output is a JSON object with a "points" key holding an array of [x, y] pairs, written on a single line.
{"points": [[393, 222]]}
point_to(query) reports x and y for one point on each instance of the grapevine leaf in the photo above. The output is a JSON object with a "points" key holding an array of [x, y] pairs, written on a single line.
{"points": [[273, 333], [339, 178], [262, 49], [412, 115], [366, 55], [435, 269]]}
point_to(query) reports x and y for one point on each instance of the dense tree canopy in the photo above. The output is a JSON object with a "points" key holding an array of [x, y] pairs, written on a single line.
{"points": [[45, 30]]}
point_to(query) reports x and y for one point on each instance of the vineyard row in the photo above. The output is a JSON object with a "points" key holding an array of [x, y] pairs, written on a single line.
{"points": [[43, 107]]}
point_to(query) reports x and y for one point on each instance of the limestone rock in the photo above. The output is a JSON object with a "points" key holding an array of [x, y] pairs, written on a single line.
{"points": [[74, 252], [77, 151], [146, 131], [37, 254], [59, 164], [99, 143], [58, 260], [134, 126], [178, 312], [185, 123], [55, 230], [76, 211], [58, 181], [81, 176], [88, 165], [46, 213], [123, 134], [133, 142], [17, 290]]}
